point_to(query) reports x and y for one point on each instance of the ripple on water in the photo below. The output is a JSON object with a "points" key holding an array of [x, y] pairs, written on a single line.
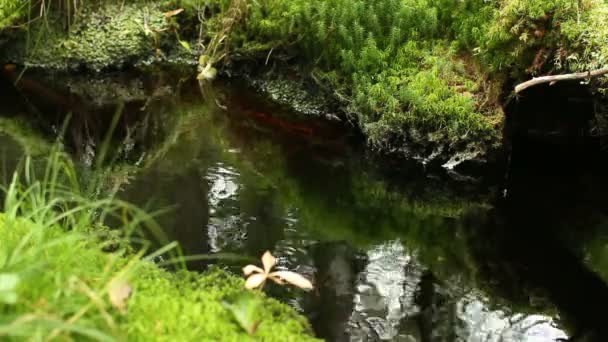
{"points": [[389, 306], [485, 325], [385, 292], [223, 182], [225, 230]]}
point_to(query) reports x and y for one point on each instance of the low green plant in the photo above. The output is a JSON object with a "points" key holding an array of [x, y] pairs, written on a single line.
{"points": [[65, 276], [62, 275], [103, 37], [387, 61], [523, 38], [428, 72], [11, 11], [217, 29]]}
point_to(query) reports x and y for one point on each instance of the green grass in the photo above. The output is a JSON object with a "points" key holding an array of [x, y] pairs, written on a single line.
{"points": [[60, 266], [32, 143]]}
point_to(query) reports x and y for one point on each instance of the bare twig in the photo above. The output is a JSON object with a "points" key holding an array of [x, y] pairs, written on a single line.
{"points": [[566, 77], [268, 57]]}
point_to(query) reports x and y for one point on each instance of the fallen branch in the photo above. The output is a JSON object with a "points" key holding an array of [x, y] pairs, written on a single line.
{"points": [[566, 77]]}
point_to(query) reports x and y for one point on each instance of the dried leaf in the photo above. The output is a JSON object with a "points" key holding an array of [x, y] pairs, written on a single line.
{"points": [[173, 13], [249, 269], [119, 292], [293, 278], [255, 281], [268, 261], [276, 279]]}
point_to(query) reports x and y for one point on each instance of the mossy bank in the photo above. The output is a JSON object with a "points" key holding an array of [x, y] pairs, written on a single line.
{"points": [[64, 276], [425, 79], [56, 283]]}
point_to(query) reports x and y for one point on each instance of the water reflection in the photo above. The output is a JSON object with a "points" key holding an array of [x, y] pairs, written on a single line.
{"points": [[483, 324], [385, 292], [396, 298], [225, 230], [395, 254]]}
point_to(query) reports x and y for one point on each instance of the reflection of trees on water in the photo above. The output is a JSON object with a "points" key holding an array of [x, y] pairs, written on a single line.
{"points": [[139, 103], [386, 294], [185, 198], [536, 238]]}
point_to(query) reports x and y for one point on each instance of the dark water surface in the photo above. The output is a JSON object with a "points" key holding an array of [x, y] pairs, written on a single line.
{"points": [[396, 253]]}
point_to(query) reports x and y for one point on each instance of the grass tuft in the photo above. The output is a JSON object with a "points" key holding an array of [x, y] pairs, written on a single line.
{"points": [[59, 266]]}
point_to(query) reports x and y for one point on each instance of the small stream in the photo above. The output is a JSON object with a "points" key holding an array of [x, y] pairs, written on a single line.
{"points": [[396, 252]]}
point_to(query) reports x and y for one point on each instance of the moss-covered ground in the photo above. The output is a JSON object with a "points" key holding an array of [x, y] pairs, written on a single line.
{"points": [[65, 277], [430, 72], [11, 11], [100, 37], [422, 77]]}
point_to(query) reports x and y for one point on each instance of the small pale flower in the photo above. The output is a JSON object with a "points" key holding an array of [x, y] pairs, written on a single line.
{"points": [[257, 277]]}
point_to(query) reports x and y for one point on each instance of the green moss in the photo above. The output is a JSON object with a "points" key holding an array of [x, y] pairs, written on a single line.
{"points": [[534, 37], [63, 282], [390, 65], [62, 273], [186, 307], [430, 73], [423, 97], [423, 73], [101, 37], [10, 11], [588, 41]]}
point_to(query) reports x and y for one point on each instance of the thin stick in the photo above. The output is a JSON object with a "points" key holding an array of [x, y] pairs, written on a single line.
{"points": [[268, 57], [566, 77]]}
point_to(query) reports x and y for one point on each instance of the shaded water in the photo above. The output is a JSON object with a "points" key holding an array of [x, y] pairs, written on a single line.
{"points": [[396, 253]]}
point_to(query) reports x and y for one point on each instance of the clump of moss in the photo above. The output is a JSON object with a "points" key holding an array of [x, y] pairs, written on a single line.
{"points": [[523, 38], [414, 72], [518, 40], [424, 98], [100, 37], [390, 65], [63, 282], [10, 11], [188, 307], [64, 277], [588, 42], [112, 36]]}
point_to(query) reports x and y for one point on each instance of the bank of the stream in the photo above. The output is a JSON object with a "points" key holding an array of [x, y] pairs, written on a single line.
{"points": [[64, 276], [424, 79], [427, 79]]}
